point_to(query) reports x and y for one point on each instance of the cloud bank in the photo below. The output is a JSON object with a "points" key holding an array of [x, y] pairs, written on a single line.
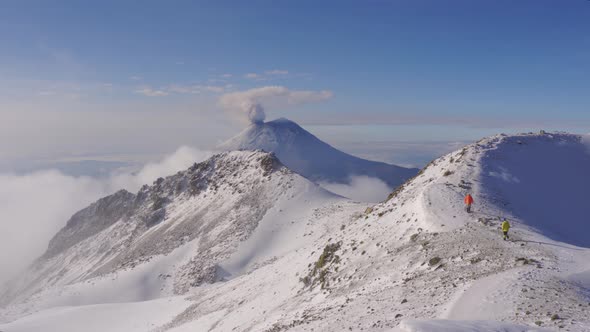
{"points": [[277, 72], [35, 206], [150, 92], [361, 188], [194, 89], [248, 104]]}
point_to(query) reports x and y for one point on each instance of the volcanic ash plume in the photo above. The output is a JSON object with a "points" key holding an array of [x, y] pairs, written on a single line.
{"points": [[255, 111], [248, 103]]}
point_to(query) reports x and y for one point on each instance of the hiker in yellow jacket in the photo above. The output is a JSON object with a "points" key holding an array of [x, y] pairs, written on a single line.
{"points": [[505, 229]]}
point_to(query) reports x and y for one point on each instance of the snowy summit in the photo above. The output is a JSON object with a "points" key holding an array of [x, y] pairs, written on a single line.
{"points": [[307, 155]]}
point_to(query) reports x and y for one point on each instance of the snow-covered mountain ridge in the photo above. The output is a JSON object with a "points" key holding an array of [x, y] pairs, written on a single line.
{"points": [[419, 255], [324, 265], [449, 264], [200, 216]]}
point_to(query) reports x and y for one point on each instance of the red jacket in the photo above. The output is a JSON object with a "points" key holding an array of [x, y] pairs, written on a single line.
{"points": [[468, 200]]}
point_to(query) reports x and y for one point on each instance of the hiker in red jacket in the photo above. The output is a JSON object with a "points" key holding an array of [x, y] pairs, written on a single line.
{"points": [[468, 202]]}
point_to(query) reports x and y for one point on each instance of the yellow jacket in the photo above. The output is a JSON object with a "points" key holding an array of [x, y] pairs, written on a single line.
{"points": [[505, 226]]}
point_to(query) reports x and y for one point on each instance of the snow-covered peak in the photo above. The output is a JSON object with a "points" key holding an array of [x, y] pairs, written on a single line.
{"points": [[207, 210], [283, 120], [223, 169], [309, 156], [538, 180], [267, 136]]}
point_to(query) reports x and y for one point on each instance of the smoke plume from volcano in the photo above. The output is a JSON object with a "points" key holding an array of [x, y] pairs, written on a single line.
{"points": [[248, 104]]}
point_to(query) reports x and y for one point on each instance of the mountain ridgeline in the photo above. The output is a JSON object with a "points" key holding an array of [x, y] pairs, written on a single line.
{"points": [[214, 205], [254, 246]]}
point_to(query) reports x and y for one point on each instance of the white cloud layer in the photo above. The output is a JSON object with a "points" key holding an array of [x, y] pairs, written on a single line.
{"points": [[277, 72], [35, 206], [361, 188], [150, 92], [252, 76], [242, 103], [266, 75], [130, 132], [181, 89]]}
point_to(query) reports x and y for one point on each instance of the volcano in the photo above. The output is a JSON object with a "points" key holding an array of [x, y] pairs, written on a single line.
{"points": [[309, 156]]}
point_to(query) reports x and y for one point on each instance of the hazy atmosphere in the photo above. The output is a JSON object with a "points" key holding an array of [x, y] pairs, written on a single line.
{"points": [[101, 96], [84, 81]]}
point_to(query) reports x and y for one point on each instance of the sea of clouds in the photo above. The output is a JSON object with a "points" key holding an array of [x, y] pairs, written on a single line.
{"points": [[35, 206]]}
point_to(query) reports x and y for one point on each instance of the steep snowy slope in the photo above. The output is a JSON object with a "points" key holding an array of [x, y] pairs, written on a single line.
{"points": [[171, 235], [543, 181], [307, 155], [416, 262]]}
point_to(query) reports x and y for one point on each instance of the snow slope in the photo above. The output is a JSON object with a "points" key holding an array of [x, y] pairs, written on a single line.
{"points": [[113, 317], [464, 326], [307, 155], [417, 261], [532, 173]]}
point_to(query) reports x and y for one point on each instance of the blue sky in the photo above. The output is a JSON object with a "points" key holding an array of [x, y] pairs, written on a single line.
{"points": [[467, 68]]}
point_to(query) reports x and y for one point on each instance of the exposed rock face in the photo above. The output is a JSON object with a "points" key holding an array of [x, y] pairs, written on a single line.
{"points": [[91, 220]]}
